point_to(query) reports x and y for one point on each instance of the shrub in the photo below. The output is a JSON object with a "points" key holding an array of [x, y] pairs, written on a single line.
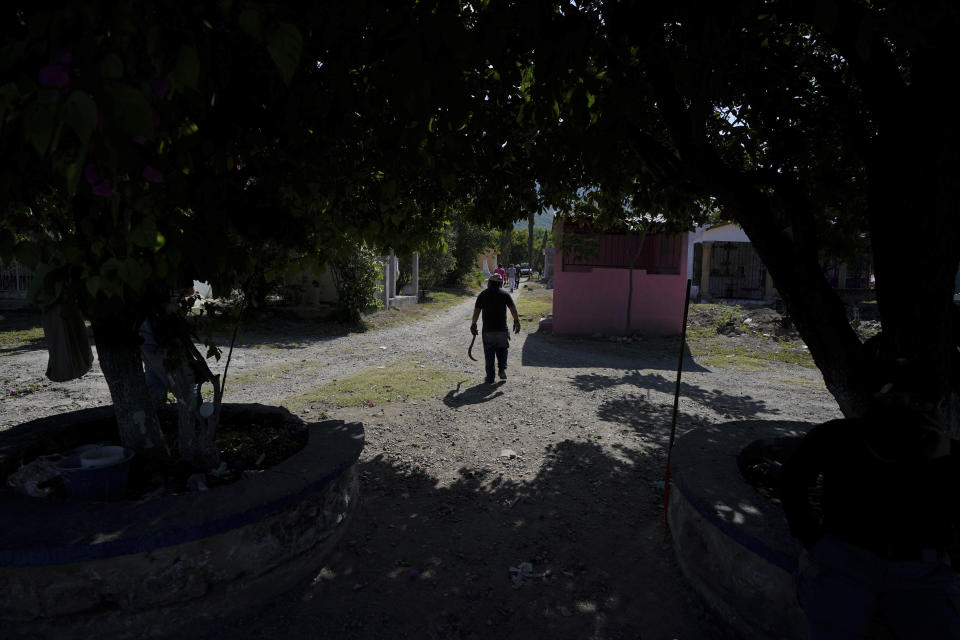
{"points": [[359, 285]]}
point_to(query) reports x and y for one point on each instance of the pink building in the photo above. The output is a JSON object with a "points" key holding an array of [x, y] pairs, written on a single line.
{"points": [[590, 288]]}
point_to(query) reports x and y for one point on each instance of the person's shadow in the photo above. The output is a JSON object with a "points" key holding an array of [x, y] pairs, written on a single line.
{"points": [[473, 395]]}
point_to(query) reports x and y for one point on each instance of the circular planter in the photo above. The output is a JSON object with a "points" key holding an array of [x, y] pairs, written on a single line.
{"points": [[177, 563], [733, 545]]}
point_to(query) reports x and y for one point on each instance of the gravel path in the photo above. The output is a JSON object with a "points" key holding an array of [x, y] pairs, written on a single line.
{"points": [[556, 467]]}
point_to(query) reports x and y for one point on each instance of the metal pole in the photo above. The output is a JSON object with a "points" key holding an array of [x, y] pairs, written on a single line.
{"points": [[676, 406]]}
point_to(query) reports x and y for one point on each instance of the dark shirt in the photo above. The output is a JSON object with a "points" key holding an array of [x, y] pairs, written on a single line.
{"points": [[494, 303], [880, 505]]}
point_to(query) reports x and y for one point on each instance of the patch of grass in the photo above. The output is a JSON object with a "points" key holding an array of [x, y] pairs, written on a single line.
{"points": [[19, 329], [748, 352], [269, 374], [789, 356], [716, 351], [714, 315], [534, 305], [407, 378], [738, 361], [801, 382]]}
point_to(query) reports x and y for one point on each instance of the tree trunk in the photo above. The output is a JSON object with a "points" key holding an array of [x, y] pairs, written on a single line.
{"points": [[506, 242], [530, 223], [916, 259], [196, 431], [123, 370], [633, 264]]}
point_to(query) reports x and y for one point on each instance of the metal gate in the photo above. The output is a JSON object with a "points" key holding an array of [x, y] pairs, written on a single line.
{"points": [[736, 271], [14, 280]]}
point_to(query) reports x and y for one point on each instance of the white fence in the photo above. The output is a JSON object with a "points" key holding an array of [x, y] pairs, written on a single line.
{"points": [[15, 280]]}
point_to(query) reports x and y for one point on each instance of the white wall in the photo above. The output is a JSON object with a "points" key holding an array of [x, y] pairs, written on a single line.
{"points": [[725, 233]]}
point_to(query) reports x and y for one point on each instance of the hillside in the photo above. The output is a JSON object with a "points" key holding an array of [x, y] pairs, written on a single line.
{"points": [[542, 221]]}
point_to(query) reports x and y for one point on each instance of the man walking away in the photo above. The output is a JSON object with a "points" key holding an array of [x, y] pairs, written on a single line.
{"points": [[494, 302], [512, 274]]}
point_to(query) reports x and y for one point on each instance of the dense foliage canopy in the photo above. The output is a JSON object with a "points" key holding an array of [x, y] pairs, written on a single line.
{"points": [[142, 144]]}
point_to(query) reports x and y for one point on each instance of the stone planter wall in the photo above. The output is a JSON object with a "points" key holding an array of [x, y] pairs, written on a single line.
{"points": [[175, 564], [733, 545]]}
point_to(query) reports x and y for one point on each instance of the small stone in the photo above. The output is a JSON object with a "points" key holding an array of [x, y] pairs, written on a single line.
{"points": [[508, 453], [197, 482]]}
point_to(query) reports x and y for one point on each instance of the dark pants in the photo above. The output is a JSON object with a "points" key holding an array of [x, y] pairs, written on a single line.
{"points": [[495, 343], [843, 588]]}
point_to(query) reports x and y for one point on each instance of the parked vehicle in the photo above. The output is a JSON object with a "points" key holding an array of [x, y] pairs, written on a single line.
{"points": [[524, 268]]}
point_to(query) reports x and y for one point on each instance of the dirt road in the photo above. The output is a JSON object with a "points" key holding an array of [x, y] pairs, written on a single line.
{"points": [[555, 467]]}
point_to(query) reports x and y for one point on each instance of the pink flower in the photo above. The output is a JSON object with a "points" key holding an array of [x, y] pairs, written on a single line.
{"points": [[159, 86], [91, 174], [64, 58], [54, 75], [152, 175], [104, 189], [138, 139], [13, 392]]}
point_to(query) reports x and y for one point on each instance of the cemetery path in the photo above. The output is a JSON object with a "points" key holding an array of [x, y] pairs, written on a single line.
{"points": [[557, 467]]}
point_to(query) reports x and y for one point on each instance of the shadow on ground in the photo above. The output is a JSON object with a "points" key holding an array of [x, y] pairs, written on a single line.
{"points": [[730, 406], [425, 561], [476, 394], [547, 350]]}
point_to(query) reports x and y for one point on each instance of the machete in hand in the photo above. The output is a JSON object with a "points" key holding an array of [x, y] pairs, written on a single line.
{"points": [[470, 348]]}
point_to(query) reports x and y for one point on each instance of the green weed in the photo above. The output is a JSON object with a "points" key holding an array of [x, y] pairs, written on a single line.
{"points": [[407, 378]]}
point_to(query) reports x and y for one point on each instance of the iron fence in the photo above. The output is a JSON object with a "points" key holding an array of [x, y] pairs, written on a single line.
{"points": [[15, 280]]}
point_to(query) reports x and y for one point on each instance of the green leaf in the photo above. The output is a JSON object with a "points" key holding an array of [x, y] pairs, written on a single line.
{"points": [[8, 93], [93, 285], [249, 21], [285, 43], [111, 67], [38, 125], [590, 99], [431, 124], [131, 109], [81, 114], [390, 189], [131, 273], [46, 286], [145, 234], [72, 174], [153, 46], [187, 70]]}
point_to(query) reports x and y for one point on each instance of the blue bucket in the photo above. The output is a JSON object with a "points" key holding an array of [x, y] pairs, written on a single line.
{"points": [[101, 482]]}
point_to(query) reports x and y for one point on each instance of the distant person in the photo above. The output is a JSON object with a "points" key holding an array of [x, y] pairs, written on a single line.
{"points": [[875, 544], [501, 272], [512, 274], [517, 276], [493, 302]]}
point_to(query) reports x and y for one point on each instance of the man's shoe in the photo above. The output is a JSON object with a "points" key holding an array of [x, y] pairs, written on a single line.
{"points": [[488, 380], [503, 374]]}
